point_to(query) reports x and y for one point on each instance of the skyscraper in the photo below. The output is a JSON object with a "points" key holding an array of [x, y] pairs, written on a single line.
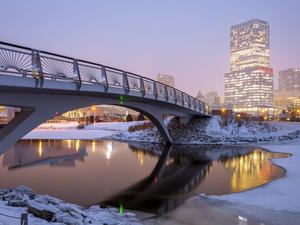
{"points": [[249, 84], [289, 80]]}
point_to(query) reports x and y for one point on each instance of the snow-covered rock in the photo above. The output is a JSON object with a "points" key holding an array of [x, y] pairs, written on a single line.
{"points": [[44, 209]]}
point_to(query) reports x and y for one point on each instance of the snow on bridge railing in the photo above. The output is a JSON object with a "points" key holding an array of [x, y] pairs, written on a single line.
{"points": [[22, 61]]}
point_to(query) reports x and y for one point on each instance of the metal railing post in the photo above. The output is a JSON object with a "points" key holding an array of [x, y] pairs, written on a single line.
{"points": [[201, 106], [125, 83], [37, 71], [194, 100], [175, 96], [103, 73], [166, 93], [24, 219], [182, 97], [198, 106], [142, 86], [155, 90], [76, 74]]}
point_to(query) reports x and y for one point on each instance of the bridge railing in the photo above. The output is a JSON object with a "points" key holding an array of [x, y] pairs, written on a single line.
{"points": [[41, 65]]}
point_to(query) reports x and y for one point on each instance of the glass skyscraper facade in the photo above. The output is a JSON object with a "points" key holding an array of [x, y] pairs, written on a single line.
{"points": [[249, 84]]}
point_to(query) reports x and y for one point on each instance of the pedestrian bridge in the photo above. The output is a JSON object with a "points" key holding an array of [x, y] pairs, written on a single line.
{"points": [[44, 84]]}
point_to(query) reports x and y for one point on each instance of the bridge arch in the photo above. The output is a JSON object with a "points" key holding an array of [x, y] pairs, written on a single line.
{"points": [[38, 108]]}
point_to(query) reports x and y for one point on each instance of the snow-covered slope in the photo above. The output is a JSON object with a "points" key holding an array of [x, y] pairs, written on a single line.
{"points": [[212, 131]]}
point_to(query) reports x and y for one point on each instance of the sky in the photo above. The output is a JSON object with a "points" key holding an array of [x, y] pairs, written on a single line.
{"points": [[188, 39]]}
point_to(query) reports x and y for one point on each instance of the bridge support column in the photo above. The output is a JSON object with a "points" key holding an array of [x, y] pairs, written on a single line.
{"points": [[24, 121], [163, 130], [185, 120]]}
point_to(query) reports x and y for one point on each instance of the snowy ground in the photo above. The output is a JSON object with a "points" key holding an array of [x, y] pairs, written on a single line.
{"points": [[69, 130], [67, 134]]}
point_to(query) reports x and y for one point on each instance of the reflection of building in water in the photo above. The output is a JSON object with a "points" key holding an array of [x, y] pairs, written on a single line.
{"points": [[40, 148], [77, 145], [250, 170], [109, 149], [104, 148], [140, 157], [62, 153]]}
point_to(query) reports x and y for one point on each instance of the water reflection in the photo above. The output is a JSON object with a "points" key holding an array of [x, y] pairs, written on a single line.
{"points": [[138, 175], [252, 170], [30, 153], [185, 170], [167, 186]]}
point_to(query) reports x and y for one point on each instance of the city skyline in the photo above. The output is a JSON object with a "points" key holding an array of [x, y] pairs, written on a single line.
{"points": [[185, 40]]}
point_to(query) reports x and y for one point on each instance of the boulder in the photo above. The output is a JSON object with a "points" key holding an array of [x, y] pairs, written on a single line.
{"points": [[41, 210]]}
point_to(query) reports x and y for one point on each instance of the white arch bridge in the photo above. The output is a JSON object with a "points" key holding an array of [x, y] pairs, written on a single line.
{"points": [[44, 84]]}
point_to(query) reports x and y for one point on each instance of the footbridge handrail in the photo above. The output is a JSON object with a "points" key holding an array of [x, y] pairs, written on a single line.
{"points": [[16, 60]]}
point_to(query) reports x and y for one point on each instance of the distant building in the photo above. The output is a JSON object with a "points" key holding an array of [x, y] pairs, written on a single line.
{"points": [[289, 80], [211, 98], [249, 84], [103, 112], [7, 114], [288, 94], [166, 79], [286, 99]]}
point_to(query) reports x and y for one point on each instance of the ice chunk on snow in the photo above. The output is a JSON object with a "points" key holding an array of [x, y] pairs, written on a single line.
{"points": [[242, 219]]}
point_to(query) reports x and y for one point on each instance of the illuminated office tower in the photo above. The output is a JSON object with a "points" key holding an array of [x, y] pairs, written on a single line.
{"points": [[249, 84]]}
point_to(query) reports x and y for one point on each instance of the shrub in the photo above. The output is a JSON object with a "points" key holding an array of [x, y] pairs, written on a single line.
{"points": [[143, 126]]}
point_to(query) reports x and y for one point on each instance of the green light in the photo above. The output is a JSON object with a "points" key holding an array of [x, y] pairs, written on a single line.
{"points": [[121, 209], [122, 99]]}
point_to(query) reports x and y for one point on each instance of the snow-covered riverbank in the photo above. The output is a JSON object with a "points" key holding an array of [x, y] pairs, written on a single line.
{"points": [[44, 210], [212, 131], [198, 131], [282, 194], [69, 131]]}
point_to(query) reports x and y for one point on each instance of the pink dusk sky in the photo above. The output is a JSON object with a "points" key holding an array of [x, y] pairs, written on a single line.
{"points": [[186, 39]]}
